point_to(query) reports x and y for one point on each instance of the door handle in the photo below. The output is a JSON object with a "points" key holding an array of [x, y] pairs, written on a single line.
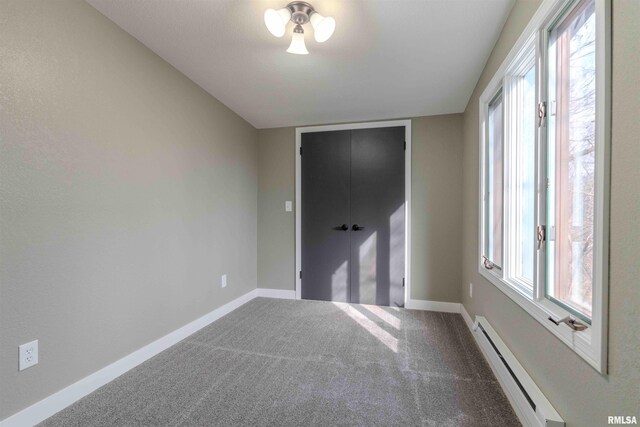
{"points": [[356, 227], [342, 227]]}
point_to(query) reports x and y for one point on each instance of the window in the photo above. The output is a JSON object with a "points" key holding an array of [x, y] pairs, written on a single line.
{"points": [[494, 185], [544, 174], [521, 146], [571, 161], [525, 185]]}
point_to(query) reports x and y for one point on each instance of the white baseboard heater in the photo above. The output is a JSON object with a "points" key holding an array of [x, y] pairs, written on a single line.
{"points": [[531, 406]]}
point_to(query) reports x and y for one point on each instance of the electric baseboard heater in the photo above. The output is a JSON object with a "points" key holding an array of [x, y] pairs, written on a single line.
{"points": [[530, 404]]}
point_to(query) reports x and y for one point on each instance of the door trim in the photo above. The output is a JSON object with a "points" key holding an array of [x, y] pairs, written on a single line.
{"points": [[407, 194]]}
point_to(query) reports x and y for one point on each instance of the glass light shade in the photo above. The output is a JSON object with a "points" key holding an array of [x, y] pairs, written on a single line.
{"points": [[323, 27], [297, 44], [276, 20]]}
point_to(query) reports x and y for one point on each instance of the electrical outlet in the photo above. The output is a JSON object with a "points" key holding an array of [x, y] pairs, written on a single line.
{"points": [[223, 281], [470, 290], [288, 206], [28, 354]]}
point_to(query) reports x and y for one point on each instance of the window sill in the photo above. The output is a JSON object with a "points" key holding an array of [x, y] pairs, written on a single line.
{"points": [[580, 342]]}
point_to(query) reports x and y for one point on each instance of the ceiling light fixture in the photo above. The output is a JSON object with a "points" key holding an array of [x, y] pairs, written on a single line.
{"points": [[299, 13], [297, 45]]}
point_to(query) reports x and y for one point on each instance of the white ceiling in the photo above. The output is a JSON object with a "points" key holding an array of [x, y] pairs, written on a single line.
{"points": [[386, 59]]}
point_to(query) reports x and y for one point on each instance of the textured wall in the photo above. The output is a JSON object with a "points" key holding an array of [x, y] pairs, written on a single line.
{"points": [[581, 395], [436, 211], [125, 192]]}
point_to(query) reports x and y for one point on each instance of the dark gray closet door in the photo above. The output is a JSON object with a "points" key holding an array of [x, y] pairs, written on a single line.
{"points": [[325, 209], [377, 216]]}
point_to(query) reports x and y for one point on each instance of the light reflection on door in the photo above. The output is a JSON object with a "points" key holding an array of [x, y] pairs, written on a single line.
{"points": [[368, 263], [396, 256], [340, 282]]}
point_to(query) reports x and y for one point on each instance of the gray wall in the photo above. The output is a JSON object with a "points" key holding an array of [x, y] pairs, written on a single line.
{"points": [[276, 228], [125, 191], [581, 395], [436, 211]]}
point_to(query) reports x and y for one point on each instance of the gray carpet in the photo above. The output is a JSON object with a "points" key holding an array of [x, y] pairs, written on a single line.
{"points": [[283, 362]]}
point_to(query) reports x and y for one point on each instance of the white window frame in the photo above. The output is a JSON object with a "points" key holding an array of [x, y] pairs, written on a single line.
{"points": [[590, 344], [511, 88]]}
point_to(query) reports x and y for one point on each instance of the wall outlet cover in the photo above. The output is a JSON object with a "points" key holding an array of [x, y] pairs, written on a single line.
{"points": [[223, 281], [28, 354], [288, 206], [470, 290]]}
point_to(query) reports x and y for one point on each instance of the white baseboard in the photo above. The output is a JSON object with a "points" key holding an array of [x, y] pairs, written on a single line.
{"points": [[446, 307], [276, 293], [49, 406], [466, 317]]}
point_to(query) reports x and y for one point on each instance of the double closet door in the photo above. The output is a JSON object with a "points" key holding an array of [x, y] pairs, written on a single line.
{"points": [[353, 216]]}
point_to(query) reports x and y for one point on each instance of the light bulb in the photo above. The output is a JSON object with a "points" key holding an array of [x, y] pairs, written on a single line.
{"points": [[276, 20], [297, 42], [323, 27]]}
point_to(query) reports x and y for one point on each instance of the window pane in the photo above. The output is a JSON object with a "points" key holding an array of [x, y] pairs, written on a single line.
{"points": [[494, 196], [525, 176], [571, 160]]}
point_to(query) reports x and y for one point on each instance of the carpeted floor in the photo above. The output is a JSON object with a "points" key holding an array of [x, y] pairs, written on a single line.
{"points": [[284, 362]]}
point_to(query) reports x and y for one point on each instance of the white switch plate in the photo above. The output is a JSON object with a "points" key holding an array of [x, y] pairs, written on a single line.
{"points": [[288, 206], [28, 355], [470, 290], [223, 281]]}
